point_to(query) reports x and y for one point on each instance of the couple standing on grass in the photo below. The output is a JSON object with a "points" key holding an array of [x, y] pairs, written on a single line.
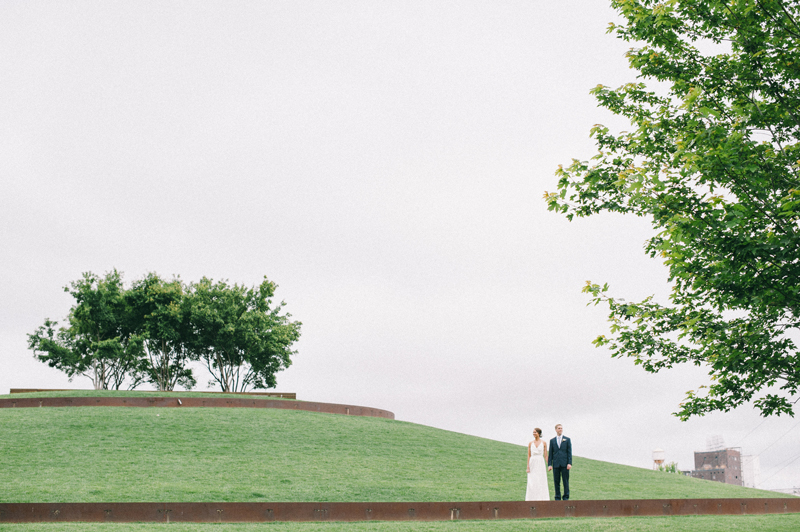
{"points": [[559, 461]]}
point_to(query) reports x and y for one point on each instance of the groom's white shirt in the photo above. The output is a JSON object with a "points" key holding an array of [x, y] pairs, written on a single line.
{"points": [[558, 439]]}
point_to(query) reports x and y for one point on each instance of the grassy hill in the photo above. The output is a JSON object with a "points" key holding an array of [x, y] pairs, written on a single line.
{"points": [[207, 454]]}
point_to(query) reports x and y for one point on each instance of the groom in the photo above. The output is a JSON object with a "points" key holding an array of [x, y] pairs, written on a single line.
{"points": [[559, 461]]}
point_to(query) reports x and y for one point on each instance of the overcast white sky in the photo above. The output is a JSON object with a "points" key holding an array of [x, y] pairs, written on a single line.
{"points": [[384, 163]]}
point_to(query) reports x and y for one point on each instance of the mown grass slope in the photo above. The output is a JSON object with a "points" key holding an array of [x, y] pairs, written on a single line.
{"points": [[94, 454]]}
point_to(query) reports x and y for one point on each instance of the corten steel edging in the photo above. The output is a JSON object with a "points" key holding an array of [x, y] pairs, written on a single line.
{"points": [[184, 402], [284, 395], [246, 512]]}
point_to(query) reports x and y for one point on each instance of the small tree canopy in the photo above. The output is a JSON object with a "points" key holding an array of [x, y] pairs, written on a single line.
{"points": [[98, 342], [160, 313], [239, 336], [713, 161]]}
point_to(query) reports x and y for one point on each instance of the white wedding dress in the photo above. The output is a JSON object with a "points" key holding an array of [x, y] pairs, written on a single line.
{"points": [[537, 478]]}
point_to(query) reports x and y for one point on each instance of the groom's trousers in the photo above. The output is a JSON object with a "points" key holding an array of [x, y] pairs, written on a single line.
{"points": [[561, 473]]}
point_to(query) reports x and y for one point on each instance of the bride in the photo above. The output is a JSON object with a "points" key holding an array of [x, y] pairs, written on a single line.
{"points": [[537, 472]]}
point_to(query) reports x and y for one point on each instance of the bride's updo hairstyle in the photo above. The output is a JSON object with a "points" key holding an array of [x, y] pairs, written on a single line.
{"points": [[539, 431]]}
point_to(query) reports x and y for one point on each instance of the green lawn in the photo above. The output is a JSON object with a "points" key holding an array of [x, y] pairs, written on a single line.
{"points": [[772, 523], [96, 454]]}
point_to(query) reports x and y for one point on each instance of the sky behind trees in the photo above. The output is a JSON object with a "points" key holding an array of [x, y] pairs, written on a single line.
{"points": [[384, 164]]}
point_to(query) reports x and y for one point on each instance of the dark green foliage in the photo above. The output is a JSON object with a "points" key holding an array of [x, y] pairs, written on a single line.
{"points": [[161, 313], [99, 341], [240, 338], [150, 333], [712, 161]]}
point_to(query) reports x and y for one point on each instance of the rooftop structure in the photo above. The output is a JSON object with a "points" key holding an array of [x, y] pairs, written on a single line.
{"points": [[723, 465]]}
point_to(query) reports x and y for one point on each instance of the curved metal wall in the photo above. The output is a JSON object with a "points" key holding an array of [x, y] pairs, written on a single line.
{"points": [[194, 402], [238, 512]]}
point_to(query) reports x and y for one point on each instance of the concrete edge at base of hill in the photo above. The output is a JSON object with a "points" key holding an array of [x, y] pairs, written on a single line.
{"points": [[244, 512]]}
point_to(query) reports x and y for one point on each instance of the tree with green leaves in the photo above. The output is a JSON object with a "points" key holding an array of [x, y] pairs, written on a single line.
{"points": [[98, 341], [712, 159], [160, 311], [239, 335]]}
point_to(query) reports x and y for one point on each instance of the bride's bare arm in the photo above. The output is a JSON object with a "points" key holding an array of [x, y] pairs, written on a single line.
{"points": [[529, 458]]}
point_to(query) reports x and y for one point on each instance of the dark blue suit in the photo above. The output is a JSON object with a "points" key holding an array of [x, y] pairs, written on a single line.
{"points": [[559, 458]]}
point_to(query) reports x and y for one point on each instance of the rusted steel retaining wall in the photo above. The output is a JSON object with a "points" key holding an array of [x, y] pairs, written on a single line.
{"points": [[245, 512], [285, 395], [184, 402]]}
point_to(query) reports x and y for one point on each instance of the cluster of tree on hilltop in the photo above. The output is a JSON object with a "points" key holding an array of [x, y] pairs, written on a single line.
{"points": [[151, 331]]}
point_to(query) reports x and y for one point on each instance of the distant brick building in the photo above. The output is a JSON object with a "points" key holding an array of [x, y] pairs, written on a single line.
{"points": [[724, 465]]}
